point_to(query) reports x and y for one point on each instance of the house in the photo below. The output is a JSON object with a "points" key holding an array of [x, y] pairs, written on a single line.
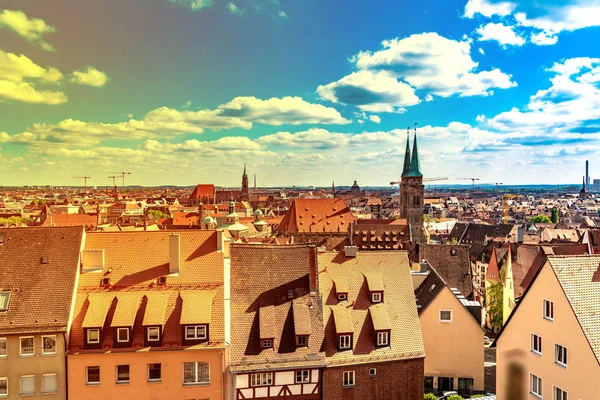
{"points": [[550, 345], [453, 337], [202, 193], [453, 264], [38, 274], [149, 319], [277, 322], [316, 216], [373, 344]]}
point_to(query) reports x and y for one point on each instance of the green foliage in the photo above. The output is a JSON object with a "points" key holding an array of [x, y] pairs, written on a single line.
{"points": [[455, 397], [10, 221], [495, 298], [157, 214], [430, 396], [453, 241], [476, 396], [555, 218], [540, 219]]}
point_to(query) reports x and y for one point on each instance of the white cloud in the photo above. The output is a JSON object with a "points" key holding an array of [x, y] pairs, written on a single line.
{"points": [[282, 14], [481, 51], [375, 118], [194, 5], [578, 14], [89, 76], [232, 8], [31, 29], [503, 34], [488, 9], [374, 91], [543, 39]]}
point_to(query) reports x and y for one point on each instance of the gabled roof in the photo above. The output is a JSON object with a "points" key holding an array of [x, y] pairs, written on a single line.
{"points": [[204, 191], [398, 302], [262, 279], [41, 294], [316, 216], [454, 269]]}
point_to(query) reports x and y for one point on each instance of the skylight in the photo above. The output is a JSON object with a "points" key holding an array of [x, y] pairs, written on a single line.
{"points": [[4, 299]]}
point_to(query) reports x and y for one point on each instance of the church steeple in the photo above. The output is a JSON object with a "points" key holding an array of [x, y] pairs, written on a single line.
{"points": [[406, 167], [415, 164]]}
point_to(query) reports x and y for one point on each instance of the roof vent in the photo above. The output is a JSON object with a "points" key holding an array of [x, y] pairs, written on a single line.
{"points": [[290, 293], [350, 251], [105, 282], [162, 280], [45, 260]]}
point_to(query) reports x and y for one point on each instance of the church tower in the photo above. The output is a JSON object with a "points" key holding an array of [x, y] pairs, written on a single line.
{"points": [[412, 191], [245, 196]]}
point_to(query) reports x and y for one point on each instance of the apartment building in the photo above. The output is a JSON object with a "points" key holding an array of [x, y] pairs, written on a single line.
{"points": [[38, 274], [149, 318]]}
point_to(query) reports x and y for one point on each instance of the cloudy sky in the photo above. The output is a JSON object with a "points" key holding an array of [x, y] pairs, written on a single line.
{"points": [[305, 92]]}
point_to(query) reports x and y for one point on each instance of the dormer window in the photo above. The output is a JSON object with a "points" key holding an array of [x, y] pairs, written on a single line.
{"points": [[4, 300], [301, 340], [344, 342], [93, 336], [266, 344], [153, 334], [376, 297], [195, 332], [383, 338], [342, 296], [122, 335]]}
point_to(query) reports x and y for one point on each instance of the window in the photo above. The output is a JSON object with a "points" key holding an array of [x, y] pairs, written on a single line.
{"points": [[3, 387], [266, 343], [2, 347], [28, 385], [383, 338], [376, 298], [536, 344], [195, 373], [428, 384], [4, 300], [453, 252], [302, 341], [153, 334], [535, 385], [302, 376], [122, 373], [559, 394], [122, 335], [262, 379], [49, 344], [345, 342], [348, 378], [445, 315], [27, 348], [196, 332], [465, 386], [342, 296], [49, 384], [93, 335], [560, 354], [548, 310], [372, 372], [92, 375], [154, 372]]}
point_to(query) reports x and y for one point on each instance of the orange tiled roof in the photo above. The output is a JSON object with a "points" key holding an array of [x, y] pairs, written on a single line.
{"points": [[127, 307], [197, 306], [316, 215], [266, 317], [156, 308], [203, 191], [301, 319]]}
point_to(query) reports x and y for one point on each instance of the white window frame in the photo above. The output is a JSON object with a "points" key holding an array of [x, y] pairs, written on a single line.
{"points": [[5, 379], [349, 377], [376, 297], [261, 379], [446, 320], [196, 382], [383, 335], [148, 333], [117, 373], [304, 376], [21, 385], [563, 395], [565, 354], [3, 293], [87, 375], [266, 343], [56, 378], [342, 296], [551, 304], [303, 338], [21, 346], [345, 342], [372, 372], [540, 384], [120, 330], [5, 347], [148, 374], [49, 353], [87, 336], [196, 336], [534, 344]]}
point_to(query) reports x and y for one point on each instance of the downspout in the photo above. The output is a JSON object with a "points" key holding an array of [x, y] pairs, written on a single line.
{"points": [[224, 374], [66, 364]]}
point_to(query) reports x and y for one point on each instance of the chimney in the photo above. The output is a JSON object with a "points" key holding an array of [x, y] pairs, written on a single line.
{"points": [[174, 253], [587, 174], [220, 240], [313, 273], [350, 251]]}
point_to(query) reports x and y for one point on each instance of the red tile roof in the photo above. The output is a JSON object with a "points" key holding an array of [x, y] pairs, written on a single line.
{"points": [[203, 191], [316, 215]]}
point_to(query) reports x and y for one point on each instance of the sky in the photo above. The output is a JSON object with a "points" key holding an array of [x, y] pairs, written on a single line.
{"points": [[304, 92]]}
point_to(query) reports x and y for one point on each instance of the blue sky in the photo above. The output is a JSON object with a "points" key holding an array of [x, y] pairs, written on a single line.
{"points": [[305, 92]]}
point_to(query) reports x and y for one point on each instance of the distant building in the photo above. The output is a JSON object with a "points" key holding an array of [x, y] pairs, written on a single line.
{"points": [[412, 192], [245, 195], [203, 193], [596, 185]]}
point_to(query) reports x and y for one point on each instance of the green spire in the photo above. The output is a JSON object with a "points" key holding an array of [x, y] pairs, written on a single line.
{"points": [[406, 167], [415, 165]]}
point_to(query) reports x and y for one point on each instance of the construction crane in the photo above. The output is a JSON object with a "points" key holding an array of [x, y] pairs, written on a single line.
{"points": [[470, 179], [498, 183], [439, 178], [122, 176], [113, 178], [85, 178]]}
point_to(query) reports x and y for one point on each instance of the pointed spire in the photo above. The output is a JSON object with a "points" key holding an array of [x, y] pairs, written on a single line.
{"points": [[415, 164], [406, 167], [244, 169]]}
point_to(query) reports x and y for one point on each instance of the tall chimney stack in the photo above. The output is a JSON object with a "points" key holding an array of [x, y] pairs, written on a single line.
{"points": [[587, 174], [174, 253]]}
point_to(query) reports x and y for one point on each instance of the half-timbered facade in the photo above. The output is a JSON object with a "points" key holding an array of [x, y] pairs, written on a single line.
{"points": [[276, 311]]}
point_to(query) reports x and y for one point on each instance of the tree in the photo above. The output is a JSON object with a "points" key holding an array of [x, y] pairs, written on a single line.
{"points": [[157, 214], [555, 216], [540, 219], [453, 241], [430, 396], [495, 295]]}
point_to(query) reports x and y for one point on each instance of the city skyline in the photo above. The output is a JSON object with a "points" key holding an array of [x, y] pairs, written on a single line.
{"points": [[187, 91]]}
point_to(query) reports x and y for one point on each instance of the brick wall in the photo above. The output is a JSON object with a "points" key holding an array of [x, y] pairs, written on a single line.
{"points": [[397, 380]]}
